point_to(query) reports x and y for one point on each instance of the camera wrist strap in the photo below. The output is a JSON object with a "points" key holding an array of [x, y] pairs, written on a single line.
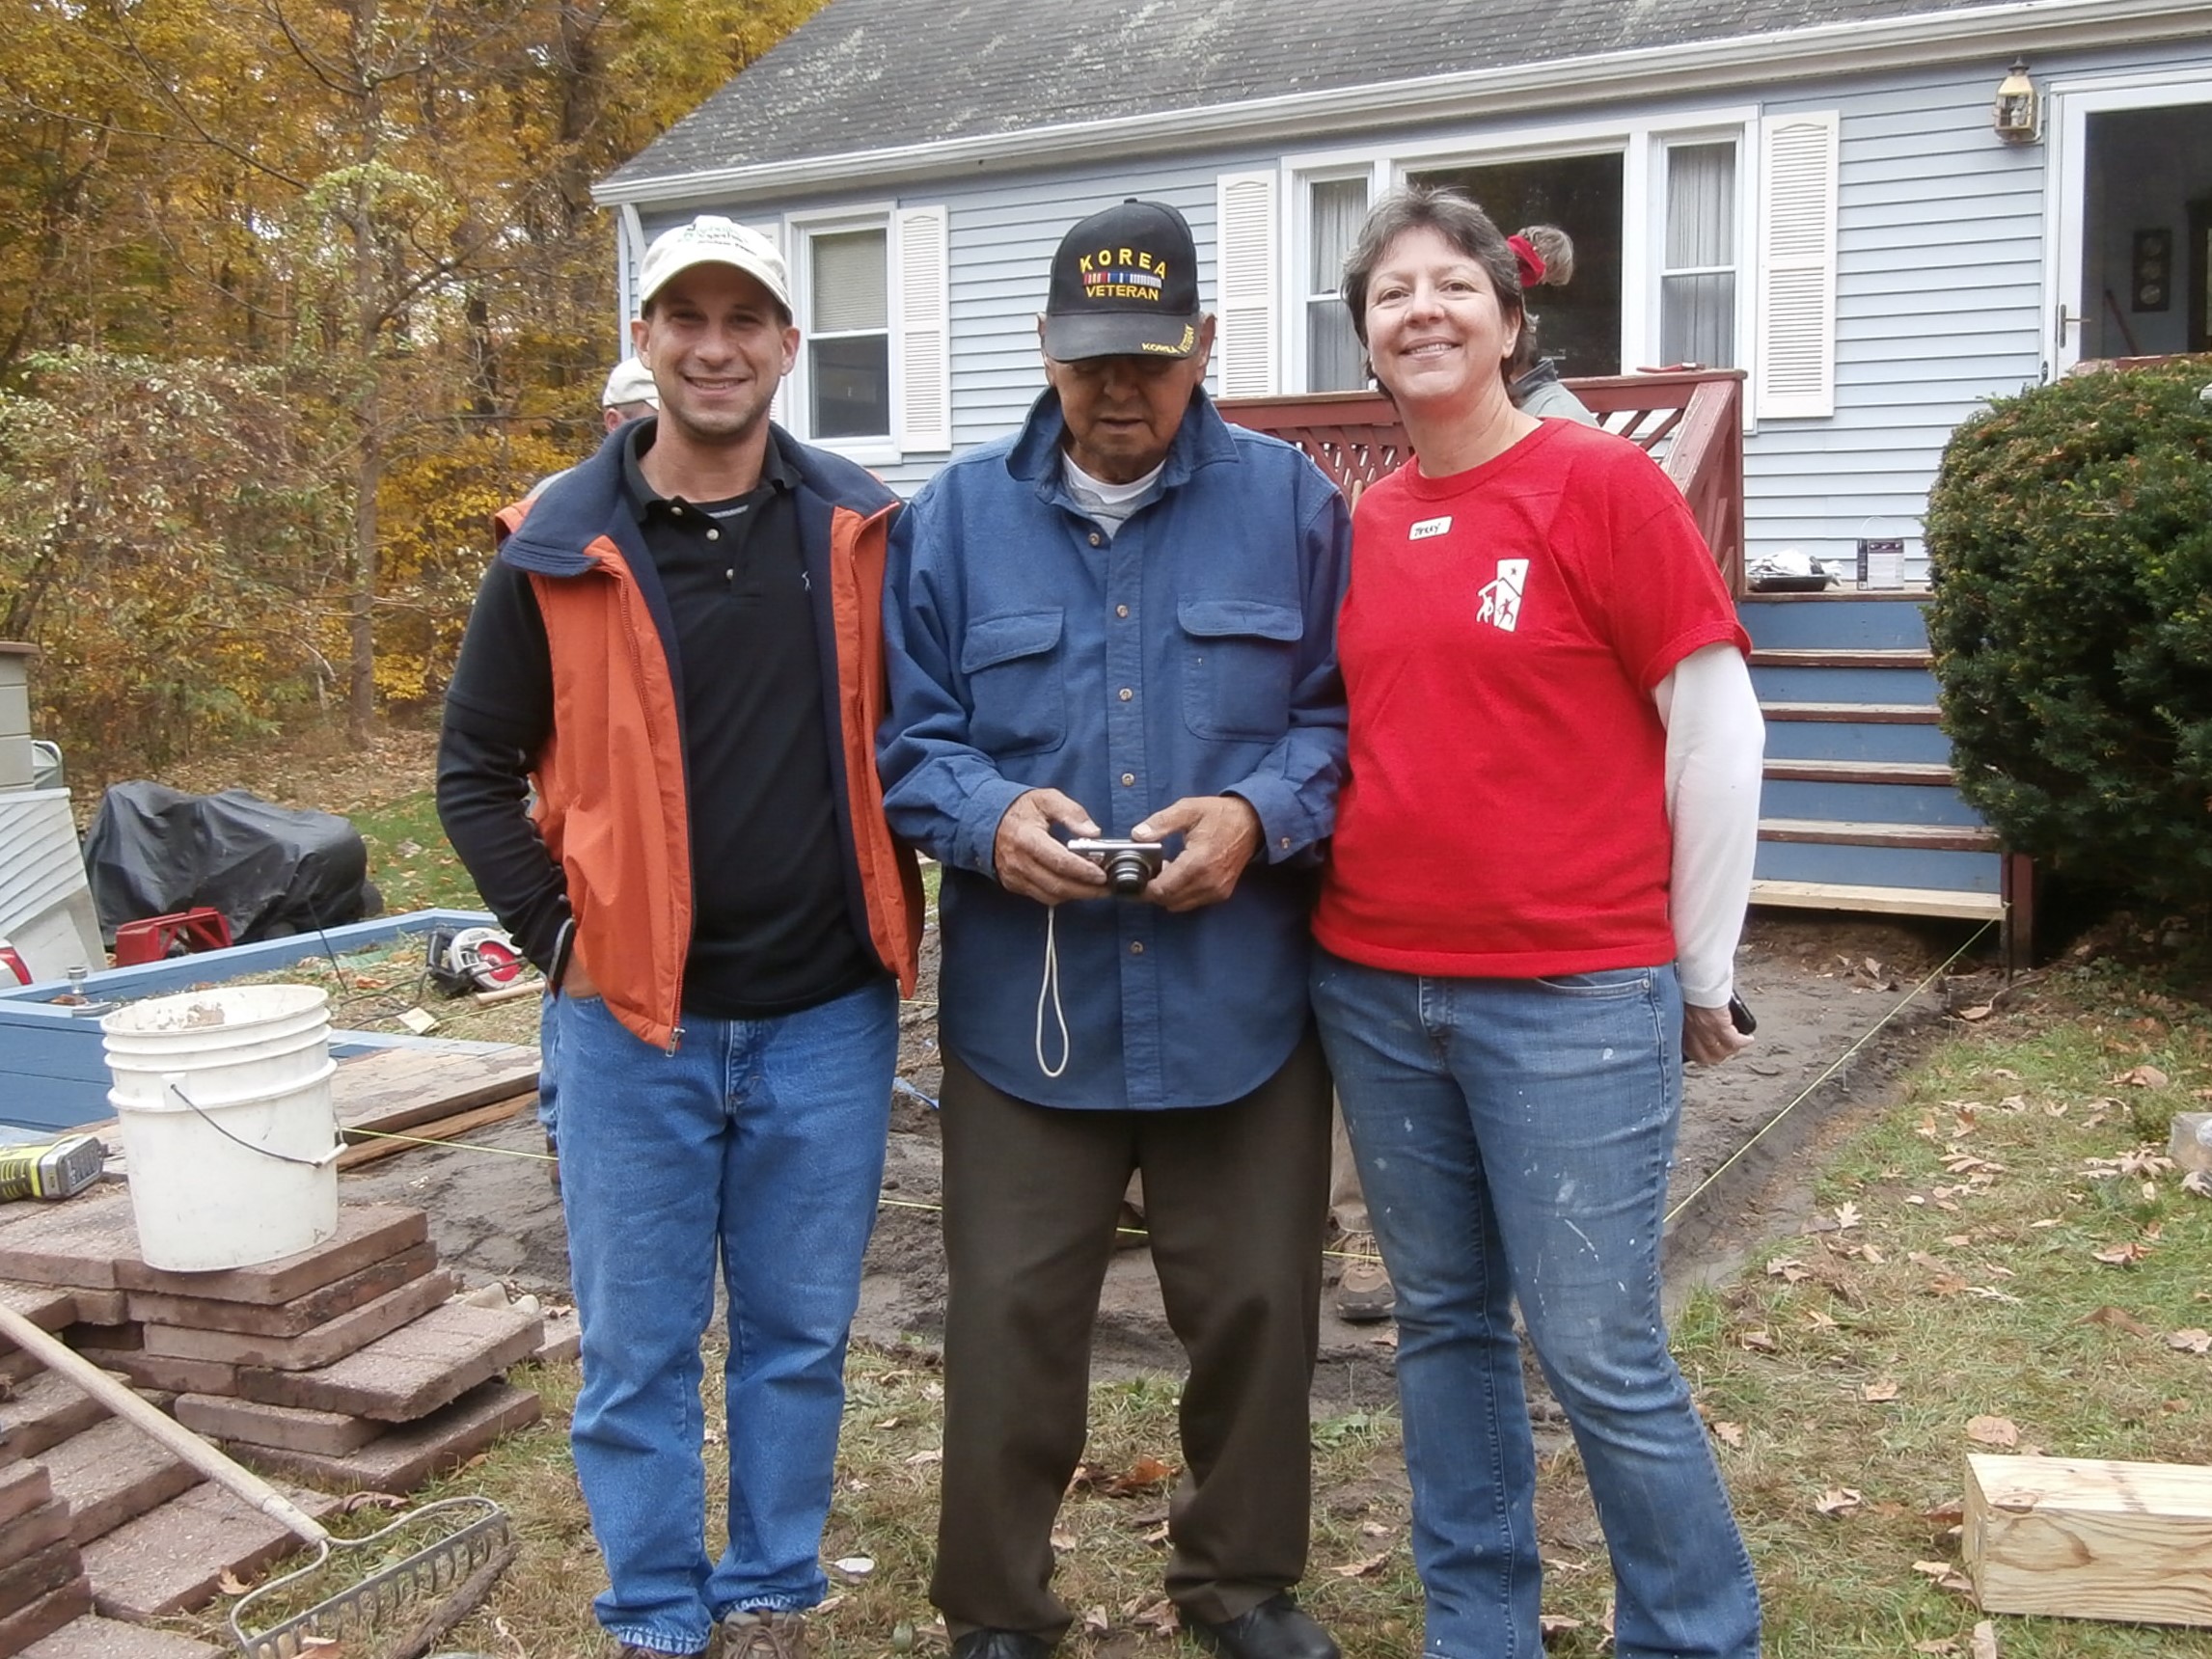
{"points": [[1049, 987]]}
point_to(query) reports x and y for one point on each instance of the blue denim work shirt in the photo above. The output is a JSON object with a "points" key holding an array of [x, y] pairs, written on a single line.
{"points": [[1194, 652]]}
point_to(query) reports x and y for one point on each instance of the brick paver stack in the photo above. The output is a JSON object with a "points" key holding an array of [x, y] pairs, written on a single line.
{"points": [[351, 1365]]}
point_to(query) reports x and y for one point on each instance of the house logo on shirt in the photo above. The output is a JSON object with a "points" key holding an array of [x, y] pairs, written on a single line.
{"points": [[1501, 599]]}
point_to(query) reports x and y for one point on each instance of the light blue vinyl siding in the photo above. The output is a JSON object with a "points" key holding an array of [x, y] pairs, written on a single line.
{"points": [[1940, 281]]}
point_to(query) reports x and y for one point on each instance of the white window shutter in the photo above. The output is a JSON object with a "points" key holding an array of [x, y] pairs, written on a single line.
{"points": [[780, 407], [1796, 351], [920, 259], [1245, 254]]}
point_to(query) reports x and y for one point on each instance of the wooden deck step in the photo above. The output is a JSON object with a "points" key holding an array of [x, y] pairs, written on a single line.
{"points": [[1881, 901], [1927, 773], [1929, 837], [1868, 714], [1801, 658]]}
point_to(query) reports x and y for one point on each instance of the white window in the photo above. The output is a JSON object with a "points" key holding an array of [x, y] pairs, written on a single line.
{"points": [[1334, 359], [848, 340], [1698, 260], [1707, 237], [873, 378]]}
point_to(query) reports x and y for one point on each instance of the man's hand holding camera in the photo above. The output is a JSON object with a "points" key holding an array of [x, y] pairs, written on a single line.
{"points": [[1220, 833]]}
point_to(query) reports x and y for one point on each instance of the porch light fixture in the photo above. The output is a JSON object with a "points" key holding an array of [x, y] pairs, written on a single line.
{"points": [[2017, 114]]}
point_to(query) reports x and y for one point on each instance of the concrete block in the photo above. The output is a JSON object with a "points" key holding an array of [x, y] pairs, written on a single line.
{"points": [[123, 1334], [23, 1487], [49, 1307], [34, 1529], [563, 1339], [25, 1579], [43, 1616], [411, 1372], [296, 1318], [92, 1636], [78, 1242], [402, 1458], [331, 1433], [173, 1558], [325, 1344], [114, 1474], [101, 1307], [367, 1234], [160, 1374], [46, 1411]]}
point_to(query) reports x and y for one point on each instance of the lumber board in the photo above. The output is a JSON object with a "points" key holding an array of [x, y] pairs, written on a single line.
{"points": [[399, 1088], [437, 1129], [1884, 901], [2089, 1538]]}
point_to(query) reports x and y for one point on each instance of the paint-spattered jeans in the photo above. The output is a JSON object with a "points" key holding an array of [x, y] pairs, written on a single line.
{"points": [[1514, 1137], [760, 1141]]}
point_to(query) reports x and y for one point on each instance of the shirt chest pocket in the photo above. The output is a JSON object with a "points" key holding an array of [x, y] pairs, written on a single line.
{"points": [[1016, 688], [1241, 660]]}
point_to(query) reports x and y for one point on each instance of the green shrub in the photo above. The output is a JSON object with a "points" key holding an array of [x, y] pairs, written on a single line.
{"points": [[2071, 539]]}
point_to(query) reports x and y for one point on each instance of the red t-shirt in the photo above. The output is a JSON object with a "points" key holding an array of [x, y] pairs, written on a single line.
{"points": [[1505, 816]]}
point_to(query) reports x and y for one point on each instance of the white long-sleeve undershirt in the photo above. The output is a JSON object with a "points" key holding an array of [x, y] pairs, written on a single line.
{"points": [[1716, 744]]}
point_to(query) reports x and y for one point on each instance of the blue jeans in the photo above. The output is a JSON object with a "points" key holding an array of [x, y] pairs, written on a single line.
{"points": [[1514, 1137], [762, 1139]]}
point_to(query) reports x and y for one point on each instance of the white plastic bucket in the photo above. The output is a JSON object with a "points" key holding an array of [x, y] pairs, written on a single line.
{"points": [[222, 1095]]}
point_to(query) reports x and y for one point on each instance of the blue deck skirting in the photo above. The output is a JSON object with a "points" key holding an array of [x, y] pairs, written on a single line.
{"points": [[53, 1071]]}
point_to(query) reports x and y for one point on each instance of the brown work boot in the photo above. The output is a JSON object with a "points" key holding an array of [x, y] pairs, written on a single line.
{"points": [[1364, 1294], [762, 1634]]}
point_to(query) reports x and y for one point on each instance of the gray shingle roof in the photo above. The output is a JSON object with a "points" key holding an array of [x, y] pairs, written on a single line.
{"points": [[878, 74]]}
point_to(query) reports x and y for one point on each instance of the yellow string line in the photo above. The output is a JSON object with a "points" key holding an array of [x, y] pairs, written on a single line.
{"points": [[457, 1145], [1865, 1037]]}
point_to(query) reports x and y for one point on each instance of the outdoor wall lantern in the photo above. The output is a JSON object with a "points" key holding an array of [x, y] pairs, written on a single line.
{"points": [[2017, 114]]}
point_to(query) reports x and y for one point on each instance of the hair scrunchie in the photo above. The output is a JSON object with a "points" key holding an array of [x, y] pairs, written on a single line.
{"points": [[1531, 261]]}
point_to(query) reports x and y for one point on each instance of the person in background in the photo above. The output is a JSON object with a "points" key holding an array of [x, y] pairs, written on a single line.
{"points": [[1528, 921], [1544, 256], [629, 394], [1120, 621], [680, 644]]}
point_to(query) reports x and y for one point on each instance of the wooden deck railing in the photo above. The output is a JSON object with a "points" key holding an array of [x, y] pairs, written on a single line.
{"points": [[1690, 421]]}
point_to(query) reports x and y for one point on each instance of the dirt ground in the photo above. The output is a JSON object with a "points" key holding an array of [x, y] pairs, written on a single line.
{"points": [[1827, 991]]}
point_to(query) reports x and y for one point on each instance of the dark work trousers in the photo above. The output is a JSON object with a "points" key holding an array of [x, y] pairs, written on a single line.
{"points": [[1236, 1198]]}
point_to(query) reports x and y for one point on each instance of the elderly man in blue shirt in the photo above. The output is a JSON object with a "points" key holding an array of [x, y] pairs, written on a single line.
{"points": [[1120, 623]]}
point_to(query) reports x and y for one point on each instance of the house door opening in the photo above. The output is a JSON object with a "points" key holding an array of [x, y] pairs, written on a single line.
{"points": [[2144, 259]]}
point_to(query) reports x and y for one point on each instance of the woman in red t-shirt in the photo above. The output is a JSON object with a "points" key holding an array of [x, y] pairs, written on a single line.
{"points": [[1542, 858]]}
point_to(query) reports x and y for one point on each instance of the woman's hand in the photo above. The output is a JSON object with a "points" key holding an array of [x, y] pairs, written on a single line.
{"points": [[1709, 1036]]}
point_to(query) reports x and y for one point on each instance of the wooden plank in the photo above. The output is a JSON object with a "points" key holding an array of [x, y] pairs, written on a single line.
{"points": [[1914, 772], [399, 1088], [1932, 837], [441, 1129], [1877, 901], [1865, 714], [1794, 657], [2087, 1539]]}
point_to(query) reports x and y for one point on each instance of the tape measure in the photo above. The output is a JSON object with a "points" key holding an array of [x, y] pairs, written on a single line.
{"points": [[52, 1169]]}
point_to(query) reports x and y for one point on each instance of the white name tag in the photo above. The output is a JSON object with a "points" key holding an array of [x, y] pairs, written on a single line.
{"points": [[1428, 527]]}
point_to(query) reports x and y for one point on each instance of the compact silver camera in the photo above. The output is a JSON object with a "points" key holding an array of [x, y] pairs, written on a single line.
{"points": [[1129, 865]]}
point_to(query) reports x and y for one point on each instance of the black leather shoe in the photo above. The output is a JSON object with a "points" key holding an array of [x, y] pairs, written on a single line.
{"points": [[1000, 1644], [1275, 1629]]}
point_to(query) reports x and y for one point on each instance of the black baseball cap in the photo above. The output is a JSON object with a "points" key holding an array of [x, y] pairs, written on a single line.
{"points": [[1125, 284]]}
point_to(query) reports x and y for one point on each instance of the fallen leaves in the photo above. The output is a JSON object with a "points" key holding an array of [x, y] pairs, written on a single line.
{"points": [[2117, 1318], [1993, 1432], [1945, 1575], [1728, 1433], [1880, 1389], [1145, 1475], [2143, 1077], [1840, 1503], [2123, 1255], [1365, 1567], [2192, 1341]]}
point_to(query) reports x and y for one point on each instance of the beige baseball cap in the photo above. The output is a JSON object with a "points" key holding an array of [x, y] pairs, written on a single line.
{"points": [[710, 239], [630, 382]]}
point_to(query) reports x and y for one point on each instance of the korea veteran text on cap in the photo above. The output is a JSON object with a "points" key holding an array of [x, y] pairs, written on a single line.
{"points": [[1125, 284]]}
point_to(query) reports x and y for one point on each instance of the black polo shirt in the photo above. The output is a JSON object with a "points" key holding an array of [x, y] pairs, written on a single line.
{"points": [[770, 930]]}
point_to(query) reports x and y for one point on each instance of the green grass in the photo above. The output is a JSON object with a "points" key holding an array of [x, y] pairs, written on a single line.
{"points": [[410, 859]]}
